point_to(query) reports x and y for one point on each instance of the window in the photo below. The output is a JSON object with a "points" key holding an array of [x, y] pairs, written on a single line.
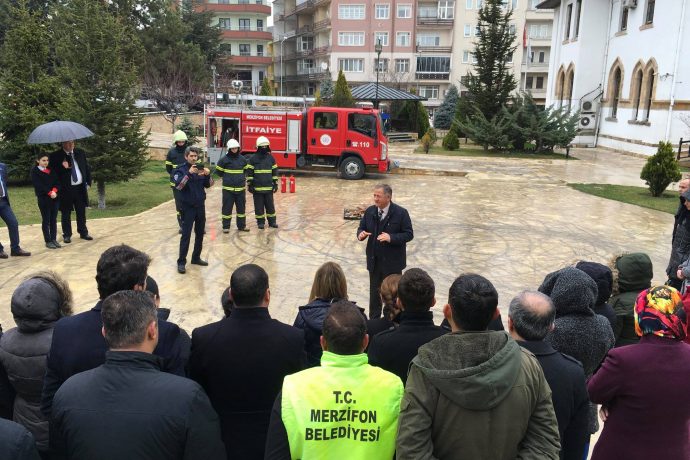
{"points": [[512, 4], [402, 65], [224, 2], [224, 23], [350, 11], [428, 40], [362, 123], [351, 65], [433, 67], [568, 18], [539, 31], [533, 4], [465, 56], [571, 80], [464, 80], [512, 29], [477, 30], [480, 4], [351, 38], [624, 19], [305, 66], [243, 2], [383, 11], [306, 43], [446, 9], [578, 11], [542, 56], [382, 37], [468, 4], [637, 93], [259, 50], [509, 58], [540, 83], [402, 39], [561, 88], [649, 13], [427, 12], [616, 91], [326, 120], [528, 82], [260, 25], [381, 65], [649, 93], [468, 30], [245, 24], [429, 92], [245, 50], [404, 11]]}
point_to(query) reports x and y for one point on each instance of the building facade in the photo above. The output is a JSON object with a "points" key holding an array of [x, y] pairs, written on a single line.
{"points": [[621, 63], [245, 39]]}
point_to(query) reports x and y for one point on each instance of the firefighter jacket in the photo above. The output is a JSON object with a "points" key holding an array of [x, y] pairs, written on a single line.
{"points": [[174, 159], [231, 168], [262, 172], [191, 186]]}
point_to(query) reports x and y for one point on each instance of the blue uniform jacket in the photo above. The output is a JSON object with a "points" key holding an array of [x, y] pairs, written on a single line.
{"points": [[191, 186]]}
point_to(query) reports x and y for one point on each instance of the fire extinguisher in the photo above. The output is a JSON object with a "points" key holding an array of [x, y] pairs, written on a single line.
{"points": [[283, 184], [292, 184]]}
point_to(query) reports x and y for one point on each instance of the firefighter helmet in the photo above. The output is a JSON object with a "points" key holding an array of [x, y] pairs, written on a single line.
{"points": [[233, 144], [179, 136], [262, 141]]}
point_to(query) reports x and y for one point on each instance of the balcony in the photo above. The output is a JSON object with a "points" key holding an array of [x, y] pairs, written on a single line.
{"points": [[246, 32], [434, 49], [540, 41], [250, 59], [304, 7], [238, 6], [434, 21], [536, 67], [322, 25], [436, 76], [307, 74]]}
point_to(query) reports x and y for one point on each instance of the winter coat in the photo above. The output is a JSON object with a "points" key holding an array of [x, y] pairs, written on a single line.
{"points": [[393, 350], [632, 275], [578, 331], [231, 167], [476, 395], [262, 173], [680, 246], [241, 361], [175, 158], [602, 275], [44, 182], [645, 387], [7, 392], [36, 305], [192, 187], [390, 257], [16, 443], [128, 409]]}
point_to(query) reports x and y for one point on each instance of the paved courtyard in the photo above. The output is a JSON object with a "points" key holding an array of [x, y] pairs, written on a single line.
{"points": [[511, 221]]}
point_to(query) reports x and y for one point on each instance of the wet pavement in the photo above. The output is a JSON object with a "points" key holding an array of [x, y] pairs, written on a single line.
{"points": [[511, 221]]}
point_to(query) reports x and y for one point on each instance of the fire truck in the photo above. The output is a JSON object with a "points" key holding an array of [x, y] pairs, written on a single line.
{"points": [[351, 140]]}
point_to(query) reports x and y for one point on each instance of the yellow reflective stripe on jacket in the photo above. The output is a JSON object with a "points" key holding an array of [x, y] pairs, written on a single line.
{"points": [[172, 184], [170, 163], [249, 166], [233, 189], [263, 171], [230, 171], [263, 189], [274, 167]]}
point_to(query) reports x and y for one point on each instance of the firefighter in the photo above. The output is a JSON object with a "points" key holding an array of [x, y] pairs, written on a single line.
{"points": [[231, 167], [262, 179], [174, 160]]}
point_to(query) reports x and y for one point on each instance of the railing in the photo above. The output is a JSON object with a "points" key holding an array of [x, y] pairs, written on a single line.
{"points": [[434, 21], [434, 49], [432, 75], [309, 76], [243, 29], [239, 2], [324, 23]]}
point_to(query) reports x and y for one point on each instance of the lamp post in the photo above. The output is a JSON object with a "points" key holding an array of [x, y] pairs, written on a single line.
{"points": [[378, 48], [215, 94], [282, 40]]}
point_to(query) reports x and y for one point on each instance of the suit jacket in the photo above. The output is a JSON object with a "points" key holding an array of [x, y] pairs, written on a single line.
{"points": [[241, 361], [65, 175], [390, 257]]}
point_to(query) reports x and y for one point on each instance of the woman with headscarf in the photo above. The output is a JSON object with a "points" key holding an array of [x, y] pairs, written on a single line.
{"points": [[643, 388]]}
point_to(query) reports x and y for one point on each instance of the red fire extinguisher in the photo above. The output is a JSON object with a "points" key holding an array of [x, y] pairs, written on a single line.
{"points": [[283, 184], [292, 184]]}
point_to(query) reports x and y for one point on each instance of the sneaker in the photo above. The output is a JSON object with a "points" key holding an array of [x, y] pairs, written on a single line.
{"points": [[20, 253], [51, 245], [203, 263], [226, 230], [181, 269], [56, 244]]}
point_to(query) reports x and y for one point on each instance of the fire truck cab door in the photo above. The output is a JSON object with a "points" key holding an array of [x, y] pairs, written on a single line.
{"points": [[324, 130], [362, 136]]}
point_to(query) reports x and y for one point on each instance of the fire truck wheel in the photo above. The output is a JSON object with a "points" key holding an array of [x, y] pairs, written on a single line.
{"points": [[352, 168]]}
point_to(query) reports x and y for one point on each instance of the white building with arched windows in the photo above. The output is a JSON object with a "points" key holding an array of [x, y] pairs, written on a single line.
{"points": [[625, 64]]}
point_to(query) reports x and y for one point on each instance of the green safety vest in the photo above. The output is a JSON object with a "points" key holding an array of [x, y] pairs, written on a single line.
{"points": [[343, 409]]}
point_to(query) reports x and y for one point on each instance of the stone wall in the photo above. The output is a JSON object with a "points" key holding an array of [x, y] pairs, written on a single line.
{"points": [[156, 122]]}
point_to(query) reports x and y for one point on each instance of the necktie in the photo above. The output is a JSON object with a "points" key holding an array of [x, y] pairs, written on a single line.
{"points": [[380, 214], [74, 171]]}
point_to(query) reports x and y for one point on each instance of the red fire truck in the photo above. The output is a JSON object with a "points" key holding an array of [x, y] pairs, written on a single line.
{"points": [[348, 139]]}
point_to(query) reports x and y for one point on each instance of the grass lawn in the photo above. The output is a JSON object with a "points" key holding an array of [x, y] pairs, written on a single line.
{"points": [[474, 151], [146, 191], [640, 196]]}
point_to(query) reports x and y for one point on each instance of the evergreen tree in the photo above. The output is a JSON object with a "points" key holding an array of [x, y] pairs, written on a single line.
{"points": [[494, 132], [492, 81], [326, 90], [200, 30], [28, 93], [661, 169], [342, 97], [450, 141], [416, 115], [266, 88], [444, 115], [94, 48], [463, 110]]}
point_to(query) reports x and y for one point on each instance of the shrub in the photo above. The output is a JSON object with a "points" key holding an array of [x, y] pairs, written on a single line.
{"points": [[189, 129], [661, 169], [450, 141], [426, 142], [489, 133], [432, 134]]}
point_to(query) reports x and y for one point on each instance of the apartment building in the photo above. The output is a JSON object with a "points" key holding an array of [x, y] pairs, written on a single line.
{"points": [[245, 38], [621, 63]]}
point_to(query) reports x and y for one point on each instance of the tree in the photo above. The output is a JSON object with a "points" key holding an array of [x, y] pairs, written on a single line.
{"points": [[492, 81], [426, 142], [444, 115], [463, 109], [416, 115], [29, 94], [342, 97], [661, 169], [200, 30], [94, 49], [450, 141], [492, 132], [326, 90], [266, 88]]}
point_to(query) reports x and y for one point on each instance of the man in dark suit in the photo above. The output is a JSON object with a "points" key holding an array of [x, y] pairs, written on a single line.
{"points": [[74, 174], [78, 344], [389, 229], [241, 361], [7, 215], [530, 318]]}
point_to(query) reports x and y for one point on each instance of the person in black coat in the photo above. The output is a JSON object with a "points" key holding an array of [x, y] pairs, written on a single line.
{"points": [[531, 316], [241, 361], [78, 344], [127, 408], [388, 228], [394, 349], [74, 175], [46, 187], [16, 443]]}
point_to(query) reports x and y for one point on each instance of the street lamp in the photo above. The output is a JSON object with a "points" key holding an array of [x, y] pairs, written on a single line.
{"points": [[378, 48], [215, 94], [282, 40]]}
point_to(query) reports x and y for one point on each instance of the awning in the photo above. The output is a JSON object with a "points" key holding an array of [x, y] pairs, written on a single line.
{"points": [[368, 93]]}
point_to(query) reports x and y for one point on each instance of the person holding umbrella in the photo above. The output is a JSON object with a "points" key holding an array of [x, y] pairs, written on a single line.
{"points": [[7, 215]]}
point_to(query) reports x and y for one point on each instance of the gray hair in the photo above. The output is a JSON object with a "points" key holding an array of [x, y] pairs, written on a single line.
{"points": [[386, 189], [529, 322], [126, 315]]}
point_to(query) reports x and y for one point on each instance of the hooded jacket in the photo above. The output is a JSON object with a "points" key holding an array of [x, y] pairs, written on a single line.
{"points": [[601, 274], [36, 304], [476, 395], [680, 246], [632, 275]]}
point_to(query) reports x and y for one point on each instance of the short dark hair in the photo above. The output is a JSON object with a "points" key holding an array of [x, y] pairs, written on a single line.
{"points": [[344, 328], [248, 285], [120, 268], [152, 287], [386, 189], [126, 315], [226, 302], [189, 150], [530, 321], [473, 300], [416, 290]]}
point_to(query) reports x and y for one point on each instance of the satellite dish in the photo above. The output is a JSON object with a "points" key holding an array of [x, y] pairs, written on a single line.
{"points": [[237, 84], [324, 66]]}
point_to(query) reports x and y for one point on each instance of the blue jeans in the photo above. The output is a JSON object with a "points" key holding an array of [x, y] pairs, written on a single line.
{"points": [[7, 215]]}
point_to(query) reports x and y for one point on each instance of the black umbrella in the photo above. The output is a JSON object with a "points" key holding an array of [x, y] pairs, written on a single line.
{"points": [[58, 131]]}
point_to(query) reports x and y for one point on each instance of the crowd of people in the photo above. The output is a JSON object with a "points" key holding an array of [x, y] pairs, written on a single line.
{"points": [[121, 381]]}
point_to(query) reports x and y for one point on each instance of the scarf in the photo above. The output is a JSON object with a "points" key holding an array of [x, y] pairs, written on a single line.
{"points": [[656, 312]]}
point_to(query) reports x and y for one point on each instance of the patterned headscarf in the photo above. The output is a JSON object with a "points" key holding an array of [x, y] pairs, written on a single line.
{"points": [[657, 312]]}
